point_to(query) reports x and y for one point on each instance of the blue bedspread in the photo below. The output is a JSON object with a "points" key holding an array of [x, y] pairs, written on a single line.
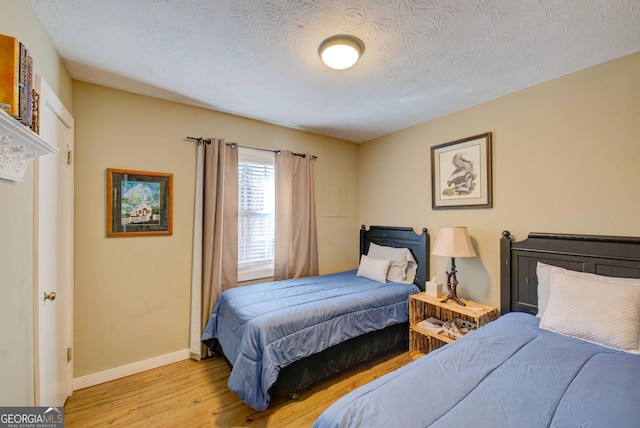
{"points": [[265, 327], [509, 373]]}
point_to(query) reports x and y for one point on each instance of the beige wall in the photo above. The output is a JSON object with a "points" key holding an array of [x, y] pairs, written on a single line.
{"points": [[566, 160], [132, 294], [17, 19]]}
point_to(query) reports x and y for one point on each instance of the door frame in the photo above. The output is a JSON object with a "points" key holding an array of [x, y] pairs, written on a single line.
{"points": [[49, 99]]}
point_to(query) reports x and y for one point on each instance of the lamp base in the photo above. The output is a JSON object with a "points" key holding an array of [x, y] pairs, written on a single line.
{"points": [[454, 298], [452, 285]]}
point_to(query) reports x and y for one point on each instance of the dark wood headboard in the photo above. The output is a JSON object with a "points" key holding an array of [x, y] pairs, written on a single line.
{"points": [[400, 237], [617, 256]]}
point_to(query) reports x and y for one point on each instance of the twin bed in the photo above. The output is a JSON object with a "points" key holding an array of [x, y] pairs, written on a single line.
{"points": [[542, 363], [282, 336]]}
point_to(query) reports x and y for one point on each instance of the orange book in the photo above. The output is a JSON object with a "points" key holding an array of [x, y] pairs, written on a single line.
{"points": [[10, 75]]}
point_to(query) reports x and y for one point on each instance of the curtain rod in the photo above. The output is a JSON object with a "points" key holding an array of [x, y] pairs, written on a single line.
{"points": [[201, 140]]}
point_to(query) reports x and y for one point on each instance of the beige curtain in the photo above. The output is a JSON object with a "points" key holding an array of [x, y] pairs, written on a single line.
{"points": [[296, 252], [220, 225]]}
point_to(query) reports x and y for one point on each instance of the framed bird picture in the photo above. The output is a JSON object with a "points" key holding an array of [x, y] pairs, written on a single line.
{"points": [[461, 173]]}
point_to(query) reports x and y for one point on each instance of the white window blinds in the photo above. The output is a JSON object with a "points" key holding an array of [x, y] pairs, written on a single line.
{"points": [[256, 213]]}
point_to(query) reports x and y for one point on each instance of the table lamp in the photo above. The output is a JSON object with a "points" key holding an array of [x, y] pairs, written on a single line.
{"points": [[453, 242]]}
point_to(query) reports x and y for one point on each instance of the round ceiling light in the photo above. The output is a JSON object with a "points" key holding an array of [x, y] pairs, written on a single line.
{"points": [[341, 52]]}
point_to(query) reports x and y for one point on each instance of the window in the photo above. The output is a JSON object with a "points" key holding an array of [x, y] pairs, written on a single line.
{"points": [[256, 214]]}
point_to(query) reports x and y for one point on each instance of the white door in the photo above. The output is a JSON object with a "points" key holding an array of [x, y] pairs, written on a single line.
{"points": [[53, 246]]}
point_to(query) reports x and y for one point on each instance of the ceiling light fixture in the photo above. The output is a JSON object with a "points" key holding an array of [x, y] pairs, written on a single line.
{"points": [[341, 52]]}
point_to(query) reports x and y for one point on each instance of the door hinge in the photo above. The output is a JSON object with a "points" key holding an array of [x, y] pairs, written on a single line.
{"points": [[69, 354], [69, 157]]}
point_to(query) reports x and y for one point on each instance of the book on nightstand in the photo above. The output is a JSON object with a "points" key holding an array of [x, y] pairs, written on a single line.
{"points": [[434, 325]]}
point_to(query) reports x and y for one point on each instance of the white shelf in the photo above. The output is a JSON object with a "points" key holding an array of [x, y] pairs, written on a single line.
{"points": [[19, 146]]}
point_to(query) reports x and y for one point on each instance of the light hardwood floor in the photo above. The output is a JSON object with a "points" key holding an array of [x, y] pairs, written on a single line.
{"points": [[195, 394]]}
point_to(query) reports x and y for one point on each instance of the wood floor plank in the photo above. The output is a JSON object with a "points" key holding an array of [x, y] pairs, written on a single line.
{"points": [[195, 394]]}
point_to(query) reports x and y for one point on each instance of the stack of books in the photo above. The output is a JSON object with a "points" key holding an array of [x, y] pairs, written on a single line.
{"points": [[16, 80], [434, 325]]}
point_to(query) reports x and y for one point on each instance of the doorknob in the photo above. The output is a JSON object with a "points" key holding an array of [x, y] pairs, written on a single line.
{"points": [[51, 296]]}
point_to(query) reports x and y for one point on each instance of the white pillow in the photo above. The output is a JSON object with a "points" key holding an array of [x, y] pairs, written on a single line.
{"points": [[411, 273], [403, 265], [374, 269], [595, 308], [543, 271]]}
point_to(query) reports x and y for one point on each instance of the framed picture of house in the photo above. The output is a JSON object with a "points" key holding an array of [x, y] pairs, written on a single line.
{"points": [[461, 173], [139, 203]]}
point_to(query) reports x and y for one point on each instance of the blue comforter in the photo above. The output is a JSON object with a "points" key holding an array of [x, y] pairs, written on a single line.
{"points": [[509, 373], [265, 327]]}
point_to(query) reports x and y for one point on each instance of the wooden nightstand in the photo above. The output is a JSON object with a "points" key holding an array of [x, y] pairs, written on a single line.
{"points": [[423, 306]]}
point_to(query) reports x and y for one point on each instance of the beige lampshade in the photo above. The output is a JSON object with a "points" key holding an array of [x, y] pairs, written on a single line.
{"points": [[453, 242]]}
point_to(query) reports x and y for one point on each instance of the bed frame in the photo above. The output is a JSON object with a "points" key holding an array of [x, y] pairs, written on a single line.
{"points": [[303, 373], [604, 255]]}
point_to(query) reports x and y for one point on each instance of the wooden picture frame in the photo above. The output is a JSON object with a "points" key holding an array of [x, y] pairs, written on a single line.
{"points": [[461, 175], [139, 203]]}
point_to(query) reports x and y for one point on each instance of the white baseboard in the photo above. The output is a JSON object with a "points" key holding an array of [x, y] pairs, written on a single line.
{"points": [[130, 369]]}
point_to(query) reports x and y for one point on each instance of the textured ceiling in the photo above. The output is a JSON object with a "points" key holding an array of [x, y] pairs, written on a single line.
{"points": [[258, 58]]}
